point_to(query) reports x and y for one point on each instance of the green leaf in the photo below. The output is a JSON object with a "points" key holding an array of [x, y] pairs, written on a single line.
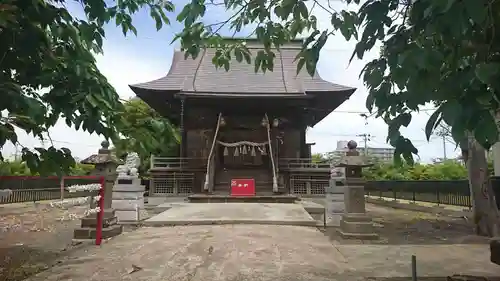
{"points": [[158, 21], [238, 55], [449, 3], [431, 124], [486, 72], [304, 12], [451, 111], [486, 131], [300, 65]]}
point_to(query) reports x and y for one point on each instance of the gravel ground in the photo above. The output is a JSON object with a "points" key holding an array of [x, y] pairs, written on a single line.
{"points": [[33, 238], [400, 227]]}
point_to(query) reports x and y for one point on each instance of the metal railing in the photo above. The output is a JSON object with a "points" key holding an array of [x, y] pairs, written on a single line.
{"points": [[454, 192], [35, 188], [301, 163]]}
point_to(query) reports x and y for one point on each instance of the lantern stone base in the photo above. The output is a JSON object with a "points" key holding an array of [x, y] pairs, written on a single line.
{"points": [[334, 203], [88, 227], [128, 199], [357, 226]]}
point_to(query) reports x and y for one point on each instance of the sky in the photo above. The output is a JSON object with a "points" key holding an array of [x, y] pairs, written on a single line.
{"points": [[147, 56]]}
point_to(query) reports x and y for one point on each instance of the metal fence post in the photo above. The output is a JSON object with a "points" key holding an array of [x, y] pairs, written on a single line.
{"points": [[437, 196]]}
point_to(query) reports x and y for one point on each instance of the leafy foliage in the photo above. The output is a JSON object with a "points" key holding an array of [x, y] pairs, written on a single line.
{"points": [[146, 132], [443, 52], [447, 170], [318, 158], [48, 72], [20, 168]]}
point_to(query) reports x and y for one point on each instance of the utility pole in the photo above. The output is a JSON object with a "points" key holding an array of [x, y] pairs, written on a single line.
{"points": [[443, 133], [443, 137], [366, 139]]}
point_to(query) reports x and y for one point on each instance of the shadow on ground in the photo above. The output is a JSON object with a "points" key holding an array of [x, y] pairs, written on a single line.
{"points": [[404, 227], [20, 261]]}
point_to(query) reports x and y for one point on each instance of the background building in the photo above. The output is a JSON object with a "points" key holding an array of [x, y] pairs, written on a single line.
{"points": [[383, 154]]}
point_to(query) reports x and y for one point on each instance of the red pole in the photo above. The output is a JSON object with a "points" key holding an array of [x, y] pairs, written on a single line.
{"points": [[100, 214], [61, 183]]}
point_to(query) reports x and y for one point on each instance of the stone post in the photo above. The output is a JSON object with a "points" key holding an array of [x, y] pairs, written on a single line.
{"points": [[334, 198], [355, 224], [105, 165], [128, 193]]}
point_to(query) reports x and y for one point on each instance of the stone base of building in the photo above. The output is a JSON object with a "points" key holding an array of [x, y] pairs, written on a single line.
{"points": [[495, 250], [88, 227], [357, 226]]}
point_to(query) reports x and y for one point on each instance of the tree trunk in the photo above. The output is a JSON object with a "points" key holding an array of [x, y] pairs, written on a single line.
{"points": [[485, 211]]}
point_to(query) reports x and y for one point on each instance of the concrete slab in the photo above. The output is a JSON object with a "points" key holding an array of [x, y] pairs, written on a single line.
{"points": [[260, 252], [233, 213], [312, 207]]}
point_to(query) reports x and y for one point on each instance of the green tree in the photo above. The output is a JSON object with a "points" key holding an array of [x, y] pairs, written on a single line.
{"points": [[426, 56], [439, 52], [318, 158], [144, 131], [48, 71], [20, 168], [447, 170]]}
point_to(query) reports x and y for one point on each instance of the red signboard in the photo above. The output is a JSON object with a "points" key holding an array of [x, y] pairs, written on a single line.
{"points": [[243, 187]]}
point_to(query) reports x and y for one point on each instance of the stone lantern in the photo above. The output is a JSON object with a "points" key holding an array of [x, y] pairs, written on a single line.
{"points": [[355, 224], [105, 164]]}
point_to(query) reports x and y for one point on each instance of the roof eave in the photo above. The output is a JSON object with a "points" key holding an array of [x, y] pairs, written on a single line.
{"points": [[158, 100], [244, 95], [341, 96]]}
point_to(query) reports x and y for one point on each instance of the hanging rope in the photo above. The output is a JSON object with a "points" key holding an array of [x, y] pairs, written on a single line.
{"points": [[275, 179], [207, 176], [240, 143]]}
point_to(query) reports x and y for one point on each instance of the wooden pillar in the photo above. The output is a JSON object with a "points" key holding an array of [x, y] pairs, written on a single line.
{"points": [[303, 146], [182, 149]]}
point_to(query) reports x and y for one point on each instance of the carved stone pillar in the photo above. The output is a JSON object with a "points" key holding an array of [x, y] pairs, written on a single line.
{"points": [[105, 165], [355, 224]]}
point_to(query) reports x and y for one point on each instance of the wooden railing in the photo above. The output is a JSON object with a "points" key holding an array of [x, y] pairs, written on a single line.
{"points": [[301, 164], [176, 163]]}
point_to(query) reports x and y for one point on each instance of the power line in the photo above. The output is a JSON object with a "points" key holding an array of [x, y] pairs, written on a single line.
{"points": [[366, 139]]}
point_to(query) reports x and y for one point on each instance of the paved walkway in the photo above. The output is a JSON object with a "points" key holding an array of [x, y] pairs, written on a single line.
{"points": [[258, 252], [232, 213]]}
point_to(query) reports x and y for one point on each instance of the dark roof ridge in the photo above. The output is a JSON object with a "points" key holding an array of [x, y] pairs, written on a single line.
{"points": [[256, 47]]}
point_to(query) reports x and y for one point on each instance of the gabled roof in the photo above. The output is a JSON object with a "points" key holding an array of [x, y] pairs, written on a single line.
{"points": [[198, 79], [201, 76]]}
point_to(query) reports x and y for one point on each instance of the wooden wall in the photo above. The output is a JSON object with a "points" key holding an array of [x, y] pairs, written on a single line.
{"points": [[200, 128]]}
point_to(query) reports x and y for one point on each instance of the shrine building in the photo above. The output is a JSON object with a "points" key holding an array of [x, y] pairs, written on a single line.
{"points": [[240, 127]]}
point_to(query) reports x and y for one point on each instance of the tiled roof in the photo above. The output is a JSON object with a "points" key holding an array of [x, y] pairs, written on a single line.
{"points": [[201, 76]]}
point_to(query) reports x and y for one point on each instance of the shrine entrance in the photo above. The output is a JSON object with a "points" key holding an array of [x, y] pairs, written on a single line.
{"points": [[243, 154]]}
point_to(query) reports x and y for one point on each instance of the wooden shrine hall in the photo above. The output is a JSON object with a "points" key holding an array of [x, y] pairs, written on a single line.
{"points": [[241, 128]]}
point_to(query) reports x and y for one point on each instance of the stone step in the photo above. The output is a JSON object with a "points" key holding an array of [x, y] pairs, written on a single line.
{"points": [[91, 222], [90, 233], [220, 198]]}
